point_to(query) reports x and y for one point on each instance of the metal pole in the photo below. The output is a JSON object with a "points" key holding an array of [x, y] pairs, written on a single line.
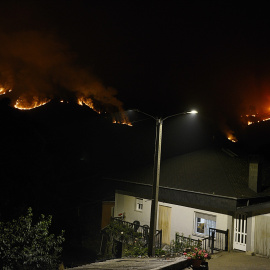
{"points": [[155, 190]]}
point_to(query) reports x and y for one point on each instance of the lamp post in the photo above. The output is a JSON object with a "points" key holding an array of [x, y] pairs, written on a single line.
{"points": [[156, 177]]}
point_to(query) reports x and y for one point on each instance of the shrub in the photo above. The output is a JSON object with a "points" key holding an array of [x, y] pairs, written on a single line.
{"points": [[24, 245]]}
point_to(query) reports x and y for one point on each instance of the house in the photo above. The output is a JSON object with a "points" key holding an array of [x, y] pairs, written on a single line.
{"points": [[208, 188]]}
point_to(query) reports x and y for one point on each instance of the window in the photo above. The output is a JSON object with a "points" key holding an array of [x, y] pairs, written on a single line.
{"points": [[203, 222], [139, 204]]}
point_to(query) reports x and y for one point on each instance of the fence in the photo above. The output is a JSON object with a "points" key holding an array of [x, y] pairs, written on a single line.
{"points": [[143, 230], [217, 240], [109, 245], [183, 242]]}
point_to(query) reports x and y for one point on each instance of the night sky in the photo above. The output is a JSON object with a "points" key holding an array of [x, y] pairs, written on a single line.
{"points": [[162, 57]]}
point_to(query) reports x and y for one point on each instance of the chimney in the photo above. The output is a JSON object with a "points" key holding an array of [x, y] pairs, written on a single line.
{"points": [[254, 181]]}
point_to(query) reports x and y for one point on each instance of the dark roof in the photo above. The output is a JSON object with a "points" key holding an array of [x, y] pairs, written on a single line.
{"points": [[208, 171]]}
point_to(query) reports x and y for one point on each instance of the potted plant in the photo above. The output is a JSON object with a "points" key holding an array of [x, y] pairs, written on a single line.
{"points": [[197, 256]]}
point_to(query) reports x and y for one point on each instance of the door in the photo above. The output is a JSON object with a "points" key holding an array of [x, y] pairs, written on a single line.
{"points": [[240, 232], [107, 213], [164, 223]]}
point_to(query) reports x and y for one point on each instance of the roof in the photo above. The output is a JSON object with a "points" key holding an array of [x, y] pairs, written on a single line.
{"points": [[208, 171]]}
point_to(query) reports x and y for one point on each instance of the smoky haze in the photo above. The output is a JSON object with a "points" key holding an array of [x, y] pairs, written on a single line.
{"points": [[37, 64]]}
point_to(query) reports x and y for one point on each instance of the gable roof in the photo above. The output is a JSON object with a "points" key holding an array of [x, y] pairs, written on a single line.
{"points": [[207, 171]]}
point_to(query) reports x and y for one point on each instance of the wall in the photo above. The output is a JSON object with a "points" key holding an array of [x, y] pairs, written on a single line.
{"points": [[262, 235], [182, 220], [126, 204]]}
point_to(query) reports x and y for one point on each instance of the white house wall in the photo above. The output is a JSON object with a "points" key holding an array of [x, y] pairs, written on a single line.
{"points": [[262, 234], [126, 204], [182, 218]]}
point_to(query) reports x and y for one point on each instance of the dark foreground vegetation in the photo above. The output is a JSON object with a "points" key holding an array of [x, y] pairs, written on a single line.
{"points": [[26, 245]]}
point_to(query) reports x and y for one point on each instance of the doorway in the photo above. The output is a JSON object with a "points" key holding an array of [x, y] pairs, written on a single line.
{"points": [[107, 213], [164, 223], [240, 232]]}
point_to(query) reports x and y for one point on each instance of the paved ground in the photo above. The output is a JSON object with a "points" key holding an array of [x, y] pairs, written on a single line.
{"points": [[137, 264], [225, 260], [237, 260]]}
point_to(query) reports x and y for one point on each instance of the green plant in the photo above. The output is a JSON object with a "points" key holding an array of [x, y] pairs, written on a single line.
{"points": [[136, 249], [160, 252], [118, 231], [24, 245]]}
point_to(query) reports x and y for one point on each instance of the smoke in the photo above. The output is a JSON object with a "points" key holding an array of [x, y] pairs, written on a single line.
{"points": [[256, 94], [35, 64]]}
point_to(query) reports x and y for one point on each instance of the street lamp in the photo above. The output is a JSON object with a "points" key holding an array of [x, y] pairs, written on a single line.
{"points": [[156, 176]]}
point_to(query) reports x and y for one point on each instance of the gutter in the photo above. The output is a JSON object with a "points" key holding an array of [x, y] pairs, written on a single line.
{"points": [[175, 189]]}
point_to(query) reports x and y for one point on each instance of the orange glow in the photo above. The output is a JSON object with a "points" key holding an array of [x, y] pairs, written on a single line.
{"points": [[122, 119], [258, 121], [124, 122], [251, 119], [3, 90], [88, 102], [232, 138], [24, 104]]}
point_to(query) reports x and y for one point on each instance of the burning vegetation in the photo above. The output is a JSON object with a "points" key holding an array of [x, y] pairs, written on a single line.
{"points": [[24, 104], [36, 68]]}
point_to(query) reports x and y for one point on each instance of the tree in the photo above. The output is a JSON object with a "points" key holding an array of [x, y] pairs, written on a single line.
{"points": [[24, 245]]}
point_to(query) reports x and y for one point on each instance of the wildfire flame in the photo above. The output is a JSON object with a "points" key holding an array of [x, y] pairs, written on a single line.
{"points": [[252, 119], [124, 122], [3, 90], [24, 104], [122, 119], [232, 138], [88, 102]]}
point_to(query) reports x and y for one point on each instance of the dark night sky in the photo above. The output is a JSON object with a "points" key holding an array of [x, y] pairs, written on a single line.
{"points": [[162, 57]]}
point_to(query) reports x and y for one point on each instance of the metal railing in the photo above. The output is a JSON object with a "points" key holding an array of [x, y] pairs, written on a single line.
{"points": [[217, 240], [143, 230], [187, 242]]}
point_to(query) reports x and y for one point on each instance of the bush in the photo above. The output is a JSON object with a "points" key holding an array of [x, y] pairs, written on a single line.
{"points": [[24, 245]]}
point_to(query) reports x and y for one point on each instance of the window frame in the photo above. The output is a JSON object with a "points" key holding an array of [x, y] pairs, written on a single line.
{"points": [[209, 224], [138, 203]]}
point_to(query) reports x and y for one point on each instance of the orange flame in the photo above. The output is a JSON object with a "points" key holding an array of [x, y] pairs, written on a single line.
{"points": [[248, 119], [124, 122], [24, 104], [122, 119], [88, 102], [3, 90], [232, 138]]}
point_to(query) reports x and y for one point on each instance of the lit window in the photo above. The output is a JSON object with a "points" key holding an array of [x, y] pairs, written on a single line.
{"points": [[139, 204], [203, 222]]}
